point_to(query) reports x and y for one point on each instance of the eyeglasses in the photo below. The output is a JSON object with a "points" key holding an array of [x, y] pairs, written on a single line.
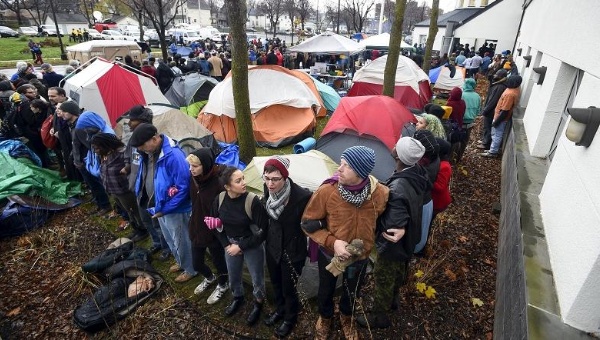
{"points": [[271, 179]]}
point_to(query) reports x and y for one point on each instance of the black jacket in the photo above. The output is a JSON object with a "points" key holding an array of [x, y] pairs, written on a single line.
{"points": [[493, 95], [404, 211], [285, 240]]}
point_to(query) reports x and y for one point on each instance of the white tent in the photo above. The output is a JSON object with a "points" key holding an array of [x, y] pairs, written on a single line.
{"points": [[327, 42], [407, 72], [109, 89], [444, 82], [381, 41]]}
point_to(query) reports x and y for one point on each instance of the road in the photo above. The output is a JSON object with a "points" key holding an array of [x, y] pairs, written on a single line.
{"points": [[60, 69]]}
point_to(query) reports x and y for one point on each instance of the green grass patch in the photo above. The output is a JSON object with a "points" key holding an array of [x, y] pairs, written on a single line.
{"points": [[14, 49]]}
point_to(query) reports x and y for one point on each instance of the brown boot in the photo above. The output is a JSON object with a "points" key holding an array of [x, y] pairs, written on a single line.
{"points": [[348, 327], [323, 328]]}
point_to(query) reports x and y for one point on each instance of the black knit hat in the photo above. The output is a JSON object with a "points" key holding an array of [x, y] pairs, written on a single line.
{"points": [[70, 107], [432, 148]]}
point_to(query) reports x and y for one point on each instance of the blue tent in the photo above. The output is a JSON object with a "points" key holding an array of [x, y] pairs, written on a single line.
{"points": [[330, 97], [184, 51], [434, 74]]}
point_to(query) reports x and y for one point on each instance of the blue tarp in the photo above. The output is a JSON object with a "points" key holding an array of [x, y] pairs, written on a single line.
{"points": [[230, 156], [331, 98], [434, 73]]}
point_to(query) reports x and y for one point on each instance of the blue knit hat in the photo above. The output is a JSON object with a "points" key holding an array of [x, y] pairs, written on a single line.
{"points": [[361, 159]]}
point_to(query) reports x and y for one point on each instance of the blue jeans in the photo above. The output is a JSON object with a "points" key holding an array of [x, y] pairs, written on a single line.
{"points": [[425, 222], [175, 230], [497, 135], [255, 261], [153, 228]]}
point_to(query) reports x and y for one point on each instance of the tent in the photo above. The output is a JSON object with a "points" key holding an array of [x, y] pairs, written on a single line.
{"points": [[373, 121], [283, 107], [110, 89], [443, 80], [327, 42], [175, 124], [412, 87], [189, 89], [382, 42], [320, 165], [330, 97]]}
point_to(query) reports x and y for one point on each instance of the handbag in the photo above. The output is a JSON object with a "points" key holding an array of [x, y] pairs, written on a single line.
{"points": [[48, 139]]}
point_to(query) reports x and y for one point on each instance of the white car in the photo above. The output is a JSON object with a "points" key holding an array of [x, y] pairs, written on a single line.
{"points": [[50, 30], [135, 36], [94, 34], [112, 35], [28, 31]]}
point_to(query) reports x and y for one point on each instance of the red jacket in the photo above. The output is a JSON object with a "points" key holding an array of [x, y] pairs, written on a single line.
{"points": [[440, 193]]}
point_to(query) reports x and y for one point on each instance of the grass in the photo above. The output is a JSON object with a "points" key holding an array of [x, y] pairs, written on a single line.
{"points": [[15, 49]]}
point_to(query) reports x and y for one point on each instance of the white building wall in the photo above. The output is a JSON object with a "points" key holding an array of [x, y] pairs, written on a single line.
{"points": [[499, 22], [570, 197], [424, 31]]}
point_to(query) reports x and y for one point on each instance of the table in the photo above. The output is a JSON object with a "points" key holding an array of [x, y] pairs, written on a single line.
{"points": [[337, 81]]}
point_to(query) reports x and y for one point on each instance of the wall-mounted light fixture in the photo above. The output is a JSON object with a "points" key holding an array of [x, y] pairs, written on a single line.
{"points": [[542, 74], [583, 125], [528, 59], [520, 50]]}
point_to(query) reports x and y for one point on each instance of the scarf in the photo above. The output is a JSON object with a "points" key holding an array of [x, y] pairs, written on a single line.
{"points": [[276, 202], [357, 198]]}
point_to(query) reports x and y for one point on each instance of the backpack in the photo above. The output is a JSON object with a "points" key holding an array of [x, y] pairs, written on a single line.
{"points": [[48, 139]]}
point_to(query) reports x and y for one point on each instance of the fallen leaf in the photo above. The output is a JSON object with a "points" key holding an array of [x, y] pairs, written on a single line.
{"points": [[419, 274], [463, 238], [14, 312], [421, 287], [430, 293], [450, 274], [476, 302]]}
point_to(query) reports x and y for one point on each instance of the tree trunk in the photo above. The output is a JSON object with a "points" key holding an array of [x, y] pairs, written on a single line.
{"points": [[389, 76], [18, 12], [433, 29], [236, 10]]}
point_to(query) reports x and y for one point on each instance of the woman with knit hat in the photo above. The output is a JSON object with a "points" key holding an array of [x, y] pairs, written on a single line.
{"points": [[204, 187], [286, 246]]}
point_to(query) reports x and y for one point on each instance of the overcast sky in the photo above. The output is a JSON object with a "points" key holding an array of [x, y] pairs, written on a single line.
{"points": [[446, 5]]}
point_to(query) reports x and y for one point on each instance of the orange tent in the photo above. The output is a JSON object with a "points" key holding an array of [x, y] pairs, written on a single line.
{"points": [[283, 104]]}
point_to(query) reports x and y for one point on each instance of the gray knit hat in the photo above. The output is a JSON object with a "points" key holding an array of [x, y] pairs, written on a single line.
{"points": [[361, 159], [409, 150]]}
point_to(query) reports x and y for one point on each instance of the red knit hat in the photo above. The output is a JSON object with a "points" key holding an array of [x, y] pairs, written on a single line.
{"points": [[280, 163]]}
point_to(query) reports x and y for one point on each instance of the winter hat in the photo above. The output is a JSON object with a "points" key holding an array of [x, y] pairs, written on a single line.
{"points": [[409, 150], [501, 73], [70, 107], [46, 67], [22, 68], [280, 163], [427, 139], [361, 159], [435, 110], [204, 157], [142, 134]]}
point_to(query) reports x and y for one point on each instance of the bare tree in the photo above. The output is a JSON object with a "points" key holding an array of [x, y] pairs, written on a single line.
{"points": [[389, 75], [15, 6], [433, 29], [304, 10], [273, 9], [236, 10], [357, 12], [38, 9], [289, 6], [161, 13]]}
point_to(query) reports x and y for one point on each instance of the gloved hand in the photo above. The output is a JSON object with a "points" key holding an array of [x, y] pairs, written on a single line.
{"points": [[337, 266], [213, 223]]}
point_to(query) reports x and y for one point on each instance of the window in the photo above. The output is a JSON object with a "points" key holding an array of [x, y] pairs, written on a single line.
{"points": [[565, 116]]}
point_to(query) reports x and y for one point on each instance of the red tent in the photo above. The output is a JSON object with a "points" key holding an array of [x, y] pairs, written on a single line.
{"points": [[373, 121]]}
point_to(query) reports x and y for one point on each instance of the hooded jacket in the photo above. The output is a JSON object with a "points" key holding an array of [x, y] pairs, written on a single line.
{"points": [[458, 106], [171, 175], [404, 211], [493, 95], [509, 98], [472, 101], [81, 138]]}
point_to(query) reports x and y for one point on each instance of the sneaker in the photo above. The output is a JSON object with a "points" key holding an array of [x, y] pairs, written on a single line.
{"points": [[203, 285], [184, 277], [488, 154], [217, 294], [175, 268]]}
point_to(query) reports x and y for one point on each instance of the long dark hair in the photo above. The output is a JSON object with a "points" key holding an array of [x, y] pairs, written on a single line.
{"points": [[106, 141]]}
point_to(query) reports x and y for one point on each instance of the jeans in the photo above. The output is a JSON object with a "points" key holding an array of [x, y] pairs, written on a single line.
{"points": [[497, 136], [487, 131], [217, 254], [175, 230], [284, 278], [425, 222], [255, 261], [153, 227], [97, 189], [352, 281]]}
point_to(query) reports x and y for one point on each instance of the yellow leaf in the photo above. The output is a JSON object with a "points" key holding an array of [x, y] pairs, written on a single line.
{"points": [[430, 293], [421, 287], [419, 274], [464, 171], [476, 302]]}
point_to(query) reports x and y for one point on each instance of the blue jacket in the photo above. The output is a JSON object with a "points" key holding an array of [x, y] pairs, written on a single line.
{"points": [[172, 171]]}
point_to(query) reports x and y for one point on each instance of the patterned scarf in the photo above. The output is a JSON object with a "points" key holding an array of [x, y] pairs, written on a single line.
{"points": [[355, 198], [276, 202]]}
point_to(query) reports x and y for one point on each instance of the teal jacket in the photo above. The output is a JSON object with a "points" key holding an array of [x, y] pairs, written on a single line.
{"points": [[472, 100]]}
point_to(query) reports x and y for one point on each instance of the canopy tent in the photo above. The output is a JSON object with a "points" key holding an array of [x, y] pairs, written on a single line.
{"points": [[320, 165], [283, 107], [382, 42], [373, 121], [330, 97], [110, 89], [411, 89], [189, 89], [327, 42], [443, 80]]}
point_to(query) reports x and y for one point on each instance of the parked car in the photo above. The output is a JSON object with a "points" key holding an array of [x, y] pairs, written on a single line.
{"points": [[135, 36], [50, 30], [152, 40], [6, 32], [28, 31], [112, 35], [94, 34]]}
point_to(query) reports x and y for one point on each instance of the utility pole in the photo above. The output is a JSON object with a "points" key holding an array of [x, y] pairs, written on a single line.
{"points": [[338, 18]]}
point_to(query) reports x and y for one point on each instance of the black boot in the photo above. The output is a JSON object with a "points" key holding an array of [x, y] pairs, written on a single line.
{"points": [[254, 314], [234, 306], [273, 318], [284, 329], [373, 321]]}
